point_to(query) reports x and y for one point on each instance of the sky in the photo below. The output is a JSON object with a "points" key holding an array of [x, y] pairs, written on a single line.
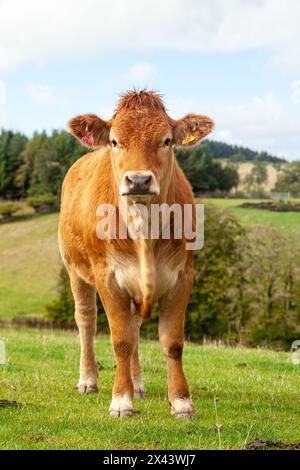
{"points": [[237, 61]]}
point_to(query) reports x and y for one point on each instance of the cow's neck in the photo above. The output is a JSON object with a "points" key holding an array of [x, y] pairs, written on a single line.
{"points": [[144, 248]]}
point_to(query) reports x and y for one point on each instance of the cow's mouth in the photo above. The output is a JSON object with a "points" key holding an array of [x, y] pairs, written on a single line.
{"points": [[139, 193], [139, 198]]}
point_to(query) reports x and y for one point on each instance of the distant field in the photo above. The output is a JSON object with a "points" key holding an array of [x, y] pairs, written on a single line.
{"points": [[287, 221], [29, 258], [29, 264], [255, 392], [245, 168]]}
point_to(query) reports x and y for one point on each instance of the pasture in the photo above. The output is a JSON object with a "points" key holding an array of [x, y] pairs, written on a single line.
{"points": [[287, 221], [249, 393], [29, 265]]}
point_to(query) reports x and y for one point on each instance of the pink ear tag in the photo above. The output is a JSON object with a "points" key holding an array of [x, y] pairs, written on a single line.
{"points": [[88, 139]]}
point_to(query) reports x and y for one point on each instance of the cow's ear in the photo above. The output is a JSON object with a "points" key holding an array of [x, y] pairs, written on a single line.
{"points": [[90, 130], [190, 129]]}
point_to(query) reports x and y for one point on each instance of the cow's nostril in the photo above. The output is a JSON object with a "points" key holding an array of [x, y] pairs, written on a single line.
{"points": [[138, 184], [129, 179]]}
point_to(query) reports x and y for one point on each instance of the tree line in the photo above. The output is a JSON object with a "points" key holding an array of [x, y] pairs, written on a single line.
{"points": [[236, 153], [36, 166]]}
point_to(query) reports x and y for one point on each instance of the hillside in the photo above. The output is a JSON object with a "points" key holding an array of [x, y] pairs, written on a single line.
{"points": [[214, 167], [29, 265], [252, 394], [221, 150], [245, 168]]}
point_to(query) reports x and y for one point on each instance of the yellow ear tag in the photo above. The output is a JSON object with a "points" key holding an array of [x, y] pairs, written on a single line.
{"points": [[188, 139]]}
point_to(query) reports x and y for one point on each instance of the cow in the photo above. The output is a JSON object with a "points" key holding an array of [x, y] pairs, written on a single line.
{"points": [[132, 159]]}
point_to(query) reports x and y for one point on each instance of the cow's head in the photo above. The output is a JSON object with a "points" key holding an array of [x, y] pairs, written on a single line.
{"points": [[140, 137]]}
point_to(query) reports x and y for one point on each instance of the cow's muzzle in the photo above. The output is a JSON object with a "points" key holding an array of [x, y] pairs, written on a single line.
{"points": [[139, 183]]}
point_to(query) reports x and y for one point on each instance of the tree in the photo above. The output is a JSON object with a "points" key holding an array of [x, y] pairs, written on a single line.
{"points": [[205, 174], [210, 310], [289, 180], [229, 179], [11, 148], [45, 172], [46, 159], [27, 173], [256, 178], [270, 267], [67, 150], [221, 150]]}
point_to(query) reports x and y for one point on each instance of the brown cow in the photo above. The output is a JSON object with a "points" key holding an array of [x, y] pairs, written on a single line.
{"points": [[133, 160]]}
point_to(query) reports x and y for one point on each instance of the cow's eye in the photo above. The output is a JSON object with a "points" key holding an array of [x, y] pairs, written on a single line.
{"points": [[114, 143], [167, 142]]}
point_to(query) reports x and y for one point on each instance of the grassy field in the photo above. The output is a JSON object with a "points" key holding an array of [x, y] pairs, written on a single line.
{"points": [[287, 221], [29, 264], [256, 394]]}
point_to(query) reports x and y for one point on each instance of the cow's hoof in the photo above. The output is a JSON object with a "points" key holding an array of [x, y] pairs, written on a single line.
{"points": [[86, 389], [183, 409], [121, 407], [185, 415], [140, 391], [120, 413]]}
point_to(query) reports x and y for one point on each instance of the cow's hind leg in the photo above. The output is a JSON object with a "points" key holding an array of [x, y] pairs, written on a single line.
{"points": [[138, 384], [85, 316], [171, 336]]}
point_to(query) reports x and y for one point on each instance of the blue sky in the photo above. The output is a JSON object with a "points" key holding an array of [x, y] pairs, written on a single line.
{"points": [[236, 60]]}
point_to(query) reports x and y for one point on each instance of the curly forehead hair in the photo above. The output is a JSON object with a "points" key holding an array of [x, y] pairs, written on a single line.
{"points": [[140, 99]]}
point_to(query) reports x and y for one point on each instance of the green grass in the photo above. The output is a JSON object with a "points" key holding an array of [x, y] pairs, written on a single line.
{"points": [[29, 264], [257, 400], [287, 221]]}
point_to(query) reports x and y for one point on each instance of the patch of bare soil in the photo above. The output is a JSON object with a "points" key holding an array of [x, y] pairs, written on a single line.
{"points": [[8, 403], [271, 206], [259, 444]]}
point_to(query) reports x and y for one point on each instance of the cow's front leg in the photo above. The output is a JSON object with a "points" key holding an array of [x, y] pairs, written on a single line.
{"points": [[124, 339], [171, 336], [85, 316], [138, 384]]}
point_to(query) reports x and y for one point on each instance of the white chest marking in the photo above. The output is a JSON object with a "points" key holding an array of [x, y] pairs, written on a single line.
{"points": [[129, 276]]}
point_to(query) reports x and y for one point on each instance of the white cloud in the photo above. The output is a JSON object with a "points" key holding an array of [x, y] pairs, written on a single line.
{"points": [[262, 123], [3, 118], [295, 92], [40, 94], [2, 93], [225, 135], [142, 73], [35, 31], [261, 116], [3, 105]]}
